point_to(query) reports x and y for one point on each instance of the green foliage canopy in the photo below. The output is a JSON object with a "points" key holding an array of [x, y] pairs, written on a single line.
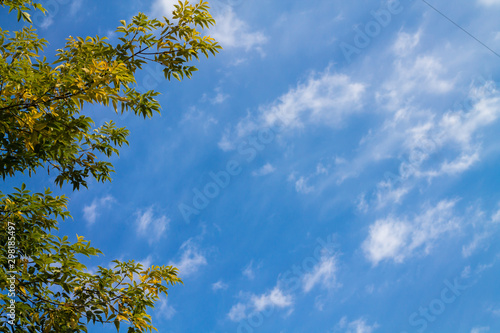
{"points": [[40, 121], [42, 128]]}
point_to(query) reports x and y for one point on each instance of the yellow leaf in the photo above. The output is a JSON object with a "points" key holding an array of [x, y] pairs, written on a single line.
{"points": [[120, 318]]}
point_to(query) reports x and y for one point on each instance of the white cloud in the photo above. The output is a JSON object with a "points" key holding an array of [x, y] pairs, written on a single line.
{"points": [[302, 187], [484, 228], [219, 98], [480, 330], [319, 302], [356, 326], [163, 8], [47, 22], [461, 126], [406, 43], [219, 285], [91, 212], [191, 259], [387, 239], [414, 75], [199, 118], [275, 298], [326, 98], [495, 312], [421, 74], [321, 170], [75, 7], [388, 192], [238, 312], [460, 164], [300, 184], [264, 170], [323, 274], [452, 141], [361, 203], [164, 310], [360, 326], [232, 32], [398, 238], [225, 143], [489, 2], [477, 241], [248, 271], [151, 226], [496, 217]]}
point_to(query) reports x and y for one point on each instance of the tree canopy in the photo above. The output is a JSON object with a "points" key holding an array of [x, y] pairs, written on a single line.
{"points": [[42, 127]]}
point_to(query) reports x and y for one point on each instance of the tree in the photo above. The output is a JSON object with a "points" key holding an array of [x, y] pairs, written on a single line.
{"points": [[42, 128]]}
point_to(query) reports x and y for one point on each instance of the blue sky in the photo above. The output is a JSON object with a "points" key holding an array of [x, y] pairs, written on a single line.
{"points": [[333, 169]]}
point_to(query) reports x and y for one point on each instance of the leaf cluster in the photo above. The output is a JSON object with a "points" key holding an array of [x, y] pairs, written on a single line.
{"points": [[43, 126], [56, 293], [41, 103], [22, 7]]}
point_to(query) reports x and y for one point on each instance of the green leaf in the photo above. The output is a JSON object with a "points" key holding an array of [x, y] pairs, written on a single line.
{"points": [[43, 127]]}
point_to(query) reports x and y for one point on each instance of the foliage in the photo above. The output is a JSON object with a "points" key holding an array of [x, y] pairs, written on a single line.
{"points": [[42, 127], [56, 293], [40, 121]]}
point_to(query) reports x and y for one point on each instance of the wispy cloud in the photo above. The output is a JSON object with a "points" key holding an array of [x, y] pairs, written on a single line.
{"points": [[219, 285], [301, 185], [164, 7], [496, 217], [406, 43], [324, 98], [232, 32], [452, 140], [480, 329], [219, 98], [249, 271], [226, 143], [264, 170], [238, 312], [478, 240], [76, 5], [323, 274], [164, 310], [495, 311], [191, 258], [92, 211], [150, 226], [489, 2], [47, 22], [275, 298], [397, 238], [485, 226], [413, 73], [357, 326]]}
